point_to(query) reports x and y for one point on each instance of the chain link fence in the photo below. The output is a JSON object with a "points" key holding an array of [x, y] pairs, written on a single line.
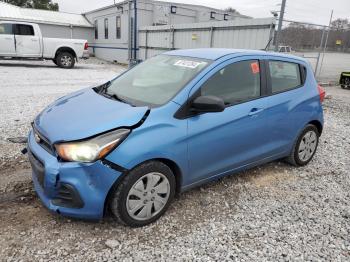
{"points": [[327, 48]]}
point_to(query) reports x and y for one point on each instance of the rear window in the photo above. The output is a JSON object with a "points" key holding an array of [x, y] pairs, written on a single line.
{"points": [[284, 76], [24, 30], [6, 29]]}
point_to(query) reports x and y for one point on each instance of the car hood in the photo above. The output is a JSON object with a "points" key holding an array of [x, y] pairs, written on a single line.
{"points": [[84, 114]]}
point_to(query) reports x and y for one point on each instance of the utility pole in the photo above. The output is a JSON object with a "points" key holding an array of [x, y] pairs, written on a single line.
{"points": [[280, 22], [135, 30]]}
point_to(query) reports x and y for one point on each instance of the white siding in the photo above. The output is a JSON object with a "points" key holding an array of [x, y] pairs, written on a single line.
{"points": [[239, 34]]}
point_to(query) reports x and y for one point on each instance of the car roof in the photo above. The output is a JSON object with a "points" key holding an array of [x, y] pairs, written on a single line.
{"points": [[216, 53]]}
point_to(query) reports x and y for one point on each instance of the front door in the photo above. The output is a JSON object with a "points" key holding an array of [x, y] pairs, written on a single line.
{"points": [[27, 43], [224, 141], [7, 40]]}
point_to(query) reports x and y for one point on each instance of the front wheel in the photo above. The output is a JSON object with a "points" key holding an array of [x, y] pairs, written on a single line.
{"points": [[305, 147], [143, 195], [65, 60]]}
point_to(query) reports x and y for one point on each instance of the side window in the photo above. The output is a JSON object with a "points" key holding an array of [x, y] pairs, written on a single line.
{"points": [[236, 83], [118, 27], [24, 29], [284, 76], [106, 28], [6, 29], [96, 29]]}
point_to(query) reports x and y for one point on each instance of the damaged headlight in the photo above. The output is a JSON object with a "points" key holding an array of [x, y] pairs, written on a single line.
{"points": [[92, 149]]}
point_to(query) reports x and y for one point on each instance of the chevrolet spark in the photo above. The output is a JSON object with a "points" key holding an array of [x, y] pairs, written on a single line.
{"points": [[173, 122]]}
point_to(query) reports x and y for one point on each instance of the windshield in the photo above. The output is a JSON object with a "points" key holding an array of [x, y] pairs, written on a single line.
{"points": [[155, 81]]}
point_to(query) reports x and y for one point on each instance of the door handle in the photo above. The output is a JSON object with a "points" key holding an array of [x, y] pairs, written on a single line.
{"points": [[255, 111], [35, 40]]}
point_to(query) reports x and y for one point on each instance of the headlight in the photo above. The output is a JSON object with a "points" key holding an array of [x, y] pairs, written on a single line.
{"points": [[92, 149]]}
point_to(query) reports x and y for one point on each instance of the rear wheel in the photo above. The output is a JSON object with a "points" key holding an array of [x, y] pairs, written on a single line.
{"points": [[144, 194], [65, 60], [305, 147]]}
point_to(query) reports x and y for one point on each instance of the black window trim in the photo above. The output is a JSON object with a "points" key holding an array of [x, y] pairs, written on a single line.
{"points": [[185, 112], [302, 72]]}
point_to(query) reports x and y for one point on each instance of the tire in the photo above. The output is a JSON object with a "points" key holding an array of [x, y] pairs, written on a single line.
{"points": [[308, 139], [65, 60], [132, 204], [54, 61]]}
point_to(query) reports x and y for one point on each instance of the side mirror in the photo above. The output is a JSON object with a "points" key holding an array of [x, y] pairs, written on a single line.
{"points": [[208, 104]]}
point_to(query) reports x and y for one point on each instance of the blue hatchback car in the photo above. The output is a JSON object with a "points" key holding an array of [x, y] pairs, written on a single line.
{"points": [[173, 122]]}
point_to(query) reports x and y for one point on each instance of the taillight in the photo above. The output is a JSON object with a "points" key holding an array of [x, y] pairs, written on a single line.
{"points": [[86, 46], [321, 92]]}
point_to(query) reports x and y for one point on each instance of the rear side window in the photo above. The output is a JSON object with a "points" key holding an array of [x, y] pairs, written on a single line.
{"points": [[284, 76], [24, 29], [6, 29], [235, 83]]}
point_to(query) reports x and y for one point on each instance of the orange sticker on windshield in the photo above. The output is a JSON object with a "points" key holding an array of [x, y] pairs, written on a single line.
{"points": [[255, 67]]}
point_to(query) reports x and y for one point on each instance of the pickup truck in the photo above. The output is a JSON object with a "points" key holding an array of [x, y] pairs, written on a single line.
{"points": [[20, 40]]}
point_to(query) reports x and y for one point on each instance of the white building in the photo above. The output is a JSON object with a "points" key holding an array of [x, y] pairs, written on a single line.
{"points": [[52, 24], [113, 37], [160, 26]]}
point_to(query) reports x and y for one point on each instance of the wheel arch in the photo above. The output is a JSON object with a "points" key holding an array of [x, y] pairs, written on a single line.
{"points": [[168, 162], [318, 125], [65, 49]]}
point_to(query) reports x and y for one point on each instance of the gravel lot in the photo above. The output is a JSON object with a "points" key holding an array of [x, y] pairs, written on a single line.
{"points": [[271, 213]]}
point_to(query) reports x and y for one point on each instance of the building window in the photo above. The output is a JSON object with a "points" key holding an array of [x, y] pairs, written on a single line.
{"points": [[212, 15], [106, 28], [173, 9], [96, 29], [226, 17], [118, 27]]}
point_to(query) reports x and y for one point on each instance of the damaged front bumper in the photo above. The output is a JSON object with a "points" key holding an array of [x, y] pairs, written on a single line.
{"points": [[69, 188]]}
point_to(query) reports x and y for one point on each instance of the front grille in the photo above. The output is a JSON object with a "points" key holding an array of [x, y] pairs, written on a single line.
{"points": [[38, 168], [43, 142]]}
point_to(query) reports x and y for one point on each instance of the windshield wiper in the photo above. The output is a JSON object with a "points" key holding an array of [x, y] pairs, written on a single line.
{"points": [[104, 87], [118, 98], [103, 90]]}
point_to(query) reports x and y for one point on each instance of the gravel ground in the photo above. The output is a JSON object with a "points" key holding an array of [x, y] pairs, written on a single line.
{"points": [[270, 213]]}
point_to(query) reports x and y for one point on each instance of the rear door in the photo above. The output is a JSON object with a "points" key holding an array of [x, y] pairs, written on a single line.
{"points": [[286, 81], [27, 43], [223, 141], [7, 40]]}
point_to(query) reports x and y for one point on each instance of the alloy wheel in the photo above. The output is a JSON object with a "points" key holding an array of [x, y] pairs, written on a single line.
{"points": [[66, 61]]}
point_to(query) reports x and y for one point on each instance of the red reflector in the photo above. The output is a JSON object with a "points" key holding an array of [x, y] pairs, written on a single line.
{"points": [[86, 46], [322, 93]]}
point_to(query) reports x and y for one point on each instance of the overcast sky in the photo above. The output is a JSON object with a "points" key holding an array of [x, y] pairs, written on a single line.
{"points": [[314, 11]]}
